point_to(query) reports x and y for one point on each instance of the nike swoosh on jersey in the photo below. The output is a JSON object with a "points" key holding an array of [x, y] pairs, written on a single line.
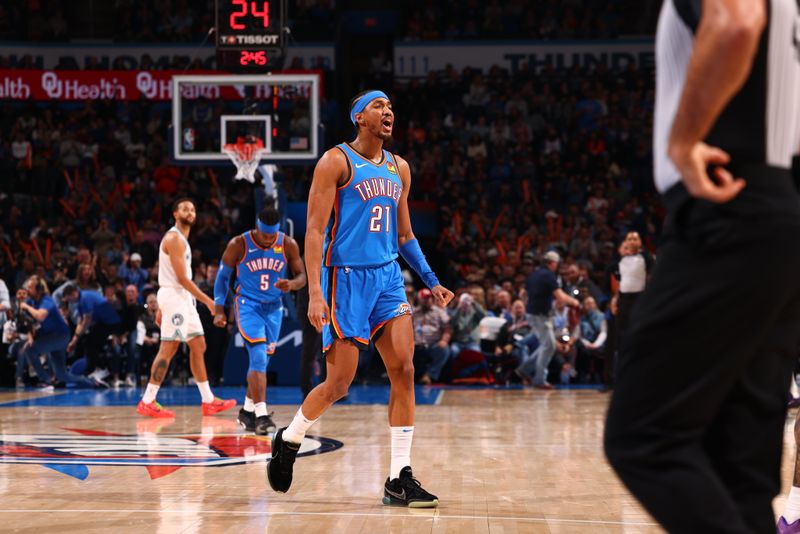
{"points": [[359, 165], [252, 250]]}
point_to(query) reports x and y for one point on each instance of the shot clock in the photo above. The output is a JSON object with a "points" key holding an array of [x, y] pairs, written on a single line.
{"points": [[250, 34]]}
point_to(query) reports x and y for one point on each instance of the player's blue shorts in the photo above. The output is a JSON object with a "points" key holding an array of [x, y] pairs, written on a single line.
{"points": [[259, 322], [362, 300]]}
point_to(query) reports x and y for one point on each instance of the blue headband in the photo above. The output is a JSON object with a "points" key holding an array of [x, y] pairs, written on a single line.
{"points": [[267, 228], [362, 102]]}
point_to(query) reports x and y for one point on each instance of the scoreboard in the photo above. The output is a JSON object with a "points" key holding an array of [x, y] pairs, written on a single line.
{"points": [[250, 34]]}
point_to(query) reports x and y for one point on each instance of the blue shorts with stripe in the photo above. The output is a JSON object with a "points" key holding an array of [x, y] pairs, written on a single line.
{"points": [[362, 300], [259, 322]]}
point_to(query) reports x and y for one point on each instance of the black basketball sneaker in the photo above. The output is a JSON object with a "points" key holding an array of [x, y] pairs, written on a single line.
{"points": [[280, 468], [407, 491], [264, 425], [246, 420]]}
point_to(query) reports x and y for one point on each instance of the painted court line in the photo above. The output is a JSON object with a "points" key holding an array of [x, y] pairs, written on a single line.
{"points": [[417, 515], [35, 395]]}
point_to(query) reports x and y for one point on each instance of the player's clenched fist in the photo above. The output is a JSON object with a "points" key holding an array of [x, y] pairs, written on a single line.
{"points": [[442, 295], [319, 314]]}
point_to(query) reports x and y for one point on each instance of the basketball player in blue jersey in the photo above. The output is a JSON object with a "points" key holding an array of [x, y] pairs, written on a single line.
{"points": [[356, 291], [259, 258]]}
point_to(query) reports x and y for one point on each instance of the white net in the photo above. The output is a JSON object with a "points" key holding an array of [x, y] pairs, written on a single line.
{"points": [[246, 156]]}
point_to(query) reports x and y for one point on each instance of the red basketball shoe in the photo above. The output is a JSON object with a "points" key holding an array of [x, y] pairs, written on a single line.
{"points": [[217, 405], [153, 409]]}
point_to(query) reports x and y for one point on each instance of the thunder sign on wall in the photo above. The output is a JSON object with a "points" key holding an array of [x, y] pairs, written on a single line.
{"points": [[418, 59]]}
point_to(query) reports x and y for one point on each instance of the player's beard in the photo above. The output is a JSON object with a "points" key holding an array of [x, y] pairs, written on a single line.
{"points": [[185, 221], [386, 138]]}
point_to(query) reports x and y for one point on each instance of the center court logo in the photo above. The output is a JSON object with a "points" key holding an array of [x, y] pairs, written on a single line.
{"points": [[161, 454]]}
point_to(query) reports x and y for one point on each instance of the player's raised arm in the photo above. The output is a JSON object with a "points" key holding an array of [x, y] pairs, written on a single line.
{"points": [[292, 251], [330, 170], [233, 254], [408, 244], [173, 246]]}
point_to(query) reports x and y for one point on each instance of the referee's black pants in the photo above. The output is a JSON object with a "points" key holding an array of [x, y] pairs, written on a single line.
{"points": [[620, 326], [695, 425]]}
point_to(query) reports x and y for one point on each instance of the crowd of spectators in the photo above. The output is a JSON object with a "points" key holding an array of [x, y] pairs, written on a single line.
{"points": [[521, 19], [517, 166], [190, 21], [514, 165], [521, 165]]}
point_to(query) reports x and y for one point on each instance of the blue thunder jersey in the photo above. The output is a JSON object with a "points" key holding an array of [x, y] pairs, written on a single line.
{"points": [[260, 268], [363, 229]]}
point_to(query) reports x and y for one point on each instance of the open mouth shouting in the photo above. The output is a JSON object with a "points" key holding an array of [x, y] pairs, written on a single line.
{"points": [[387, 123]]}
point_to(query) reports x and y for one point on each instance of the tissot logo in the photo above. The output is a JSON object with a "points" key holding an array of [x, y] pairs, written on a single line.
{"points": [[161, 454], [249, 39]]}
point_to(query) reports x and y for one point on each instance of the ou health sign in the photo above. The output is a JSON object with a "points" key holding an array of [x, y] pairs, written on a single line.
{"points": [[93, 85]]}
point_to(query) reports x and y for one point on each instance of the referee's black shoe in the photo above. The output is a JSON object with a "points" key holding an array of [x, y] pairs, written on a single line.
{"points": [[407, 491], [281, 466], [246, 420]]}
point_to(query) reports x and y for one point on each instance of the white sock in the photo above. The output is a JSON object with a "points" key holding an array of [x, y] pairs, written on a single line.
{"points": [[249, 405], [791, 510], [205, 391], [297, 429], [150, 393], [401, 449], [261, 409]]}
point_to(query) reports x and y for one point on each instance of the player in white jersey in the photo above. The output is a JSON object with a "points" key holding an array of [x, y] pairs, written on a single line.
{"points": [[177, 316]]}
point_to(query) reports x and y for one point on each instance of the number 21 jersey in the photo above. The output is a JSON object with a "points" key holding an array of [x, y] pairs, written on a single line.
{"points": [[363, 229]]}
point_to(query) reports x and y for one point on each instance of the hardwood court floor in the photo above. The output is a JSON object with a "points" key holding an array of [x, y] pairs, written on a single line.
{"points": [[501, 461]]}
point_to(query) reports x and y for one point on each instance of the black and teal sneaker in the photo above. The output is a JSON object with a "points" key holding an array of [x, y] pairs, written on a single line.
{"points": [[280, 468], [264, 425], [247, 420], [407, 491]]}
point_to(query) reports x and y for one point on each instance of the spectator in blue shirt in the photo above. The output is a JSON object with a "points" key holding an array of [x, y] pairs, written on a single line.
{"points": [[97, 317], [134, 274], [51, 337], [542, 287]]}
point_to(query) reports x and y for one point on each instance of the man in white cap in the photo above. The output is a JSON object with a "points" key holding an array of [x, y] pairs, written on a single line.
{"points": [[134, 274], [542, 286]]}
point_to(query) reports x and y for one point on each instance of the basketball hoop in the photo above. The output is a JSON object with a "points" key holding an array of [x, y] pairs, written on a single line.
{"points": [[246, 154]]}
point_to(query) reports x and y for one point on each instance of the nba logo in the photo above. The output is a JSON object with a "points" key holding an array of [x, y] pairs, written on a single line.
{"points": [[188, 138]]}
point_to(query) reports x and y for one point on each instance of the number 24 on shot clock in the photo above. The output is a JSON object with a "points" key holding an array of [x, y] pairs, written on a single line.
{"points": [[250, 24]]}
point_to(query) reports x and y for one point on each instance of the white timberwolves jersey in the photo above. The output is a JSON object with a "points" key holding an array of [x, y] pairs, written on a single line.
{"points": [[166, 274]]}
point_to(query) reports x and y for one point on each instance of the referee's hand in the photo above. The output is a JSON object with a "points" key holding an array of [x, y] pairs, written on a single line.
{"points": [[693, 161]]}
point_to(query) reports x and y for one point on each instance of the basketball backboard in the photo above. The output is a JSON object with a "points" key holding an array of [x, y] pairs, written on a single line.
{"points": [[211, 111]]}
